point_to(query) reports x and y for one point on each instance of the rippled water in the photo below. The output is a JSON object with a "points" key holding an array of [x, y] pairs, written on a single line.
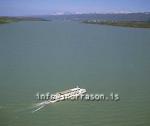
{"points": [[54, 56]]}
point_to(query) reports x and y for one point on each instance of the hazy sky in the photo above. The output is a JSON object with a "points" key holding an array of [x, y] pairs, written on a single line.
{"points": [[38, 7]]}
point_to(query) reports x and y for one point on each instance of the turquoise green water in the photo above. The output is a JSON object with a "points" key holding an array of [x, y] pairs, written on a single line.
{"points": [[53, 56]]}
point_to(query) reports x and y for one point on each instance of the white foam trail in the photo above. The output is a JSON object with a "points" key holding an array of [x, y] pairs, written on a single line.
{"points": [[38, 109], [39, 104], [42, 105]]}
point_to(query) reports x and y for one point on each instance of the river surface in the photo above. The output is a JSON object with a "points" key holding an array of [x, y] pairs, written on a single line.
{"points": [[54, 56]]}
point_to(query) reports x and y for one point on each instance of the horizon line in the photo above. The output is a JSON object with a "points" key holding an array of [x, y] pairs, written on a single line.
{"points": [[74, 13]]}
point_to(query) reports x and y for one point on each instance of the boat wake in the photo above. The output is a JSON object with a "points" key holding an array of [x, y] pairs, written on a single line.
{"points": [[37, 109], [41, 105]]}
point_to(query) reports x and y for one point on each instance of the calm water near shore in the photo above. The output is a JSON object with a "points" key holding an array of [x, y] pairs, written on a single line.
{"points": [[54, 56]]}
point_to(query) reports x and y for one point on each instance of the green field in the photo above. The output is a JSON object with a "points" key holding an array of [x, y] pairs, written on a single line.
{"points": [[134, 24], [4, 20]]}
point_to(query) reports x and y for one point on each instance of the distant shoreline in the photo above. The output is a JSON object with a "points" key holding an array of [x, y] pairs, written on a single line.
{"points": [[133, 24], [5, 20], [134, 20]]}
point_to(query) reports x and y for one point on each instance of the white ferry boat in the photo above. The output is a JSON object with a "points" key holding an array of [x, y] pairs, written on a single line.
{"points": [[68, 94], [60, 96]]}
